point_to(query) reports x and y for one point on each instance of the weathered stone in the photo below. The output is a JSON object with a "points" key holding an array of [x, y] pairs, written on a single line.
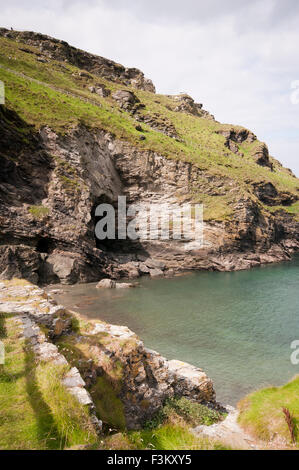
{"points": [[124, 285], [19, 261], [63, 266], [154, 263], [159, 123], [156, 273], [62, 51], [143, 268], [106, 284], [147, 378], [81, 395], [102, 90], [73, 379], [59, 326], [127, 100], [64, 177]]}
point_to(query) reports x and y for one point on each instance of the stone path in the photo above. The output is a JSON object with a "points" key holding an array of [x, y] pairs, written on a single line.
{"points": [[228, 432], [37, 307]]}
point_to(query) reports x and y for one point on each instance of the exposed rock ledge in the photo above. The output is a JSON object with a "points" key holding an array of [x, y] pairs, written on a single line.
{"points": [[59, 244], [138, 379]]}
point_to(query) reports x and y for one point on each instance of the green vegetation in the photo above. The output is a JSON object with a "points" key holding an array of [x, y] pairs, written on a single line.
{"points": [[171, 437], [292, 209], [39, 212], [181, 408], [261, 412], [170, 429], [108, 405], [36, 411], [168, 437], [105, 391]]}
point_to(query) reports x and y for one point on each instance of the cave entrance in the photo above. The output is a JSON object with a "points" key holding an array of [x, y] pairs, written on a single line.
{"points": [[44, 245], [116, 245], [106, 244]]}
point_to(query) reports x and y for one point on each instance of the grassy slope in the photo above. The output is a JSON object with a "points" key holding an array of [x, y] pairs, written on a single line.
{"points": [[40, 105], [36, 412], [170, 429], [261, 412]]}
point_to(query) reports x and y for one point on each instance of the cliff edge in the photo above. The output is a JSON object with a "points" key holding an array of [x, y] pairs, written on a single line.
{"points": [[78, 130]]}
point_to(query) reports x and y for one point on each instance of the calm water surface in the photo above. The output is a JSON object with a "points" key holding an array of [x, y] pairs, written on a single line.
{"points": [[236, 326]]}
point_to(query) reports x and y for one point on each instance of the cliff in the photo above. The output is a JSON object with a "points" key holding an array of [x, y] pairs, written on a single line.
{"points": [[78, 130]]}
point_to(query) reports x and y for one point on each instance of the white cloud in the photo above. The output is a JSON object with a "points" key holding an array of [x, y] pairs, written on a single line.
{"points": [[237, 58]]}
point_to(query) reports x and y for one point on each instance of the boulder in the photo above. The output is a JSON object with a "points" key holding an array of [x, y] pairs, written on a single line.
{"points": [[127, 100], [19, 261], [73, 379], [186, 104], [124, 285], [106, 284], [102, 91], [154, 263], [143, 268], [156, 273], [64, 266]]}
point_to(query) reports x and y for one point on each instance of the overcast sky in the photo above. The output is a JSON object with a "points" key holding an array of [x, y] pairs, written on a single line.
{"points": [[238, 58]]}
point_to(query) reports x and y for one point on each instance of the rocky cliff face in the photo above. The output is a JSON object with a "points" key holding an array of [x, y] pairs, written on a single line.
{"points": [[51, 48], [51, 180]]}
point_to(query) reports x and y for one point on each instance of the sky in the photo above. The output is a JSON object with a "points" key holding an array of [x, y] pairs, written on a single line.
{"points": [[238, 58]]}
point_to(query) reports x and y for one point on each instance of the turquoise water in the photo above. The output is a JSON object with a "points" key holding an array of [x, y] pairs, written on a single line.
{"points": [[236, 326]]}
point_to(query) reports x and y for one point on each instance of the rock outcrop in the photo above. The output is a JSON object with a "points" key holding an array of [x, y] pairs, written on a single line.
{"points": [[47, 235], [186, 104], [51, 181], [51, 48]]}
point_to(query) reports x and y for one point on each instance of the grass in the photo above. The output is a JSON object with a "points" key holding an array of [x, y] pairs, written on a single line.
{"points": [[39, 212], [170, 430], [105, 391], [168, 437], [36, 411], [293, 209], [190, 412], [108, 405], [172, 437], [261, 412]]}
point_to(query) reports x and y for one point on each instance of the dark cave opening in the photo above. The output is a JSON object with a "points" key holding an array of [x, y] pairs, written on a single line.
{"points": [[44, 245], [115, 245], [105, 244]]}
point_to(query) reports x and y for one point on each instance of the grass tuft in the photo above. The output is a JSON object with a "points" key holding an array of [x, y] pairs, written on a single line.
{"points": [[36, 411], [39, 212], [261, 412]]}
